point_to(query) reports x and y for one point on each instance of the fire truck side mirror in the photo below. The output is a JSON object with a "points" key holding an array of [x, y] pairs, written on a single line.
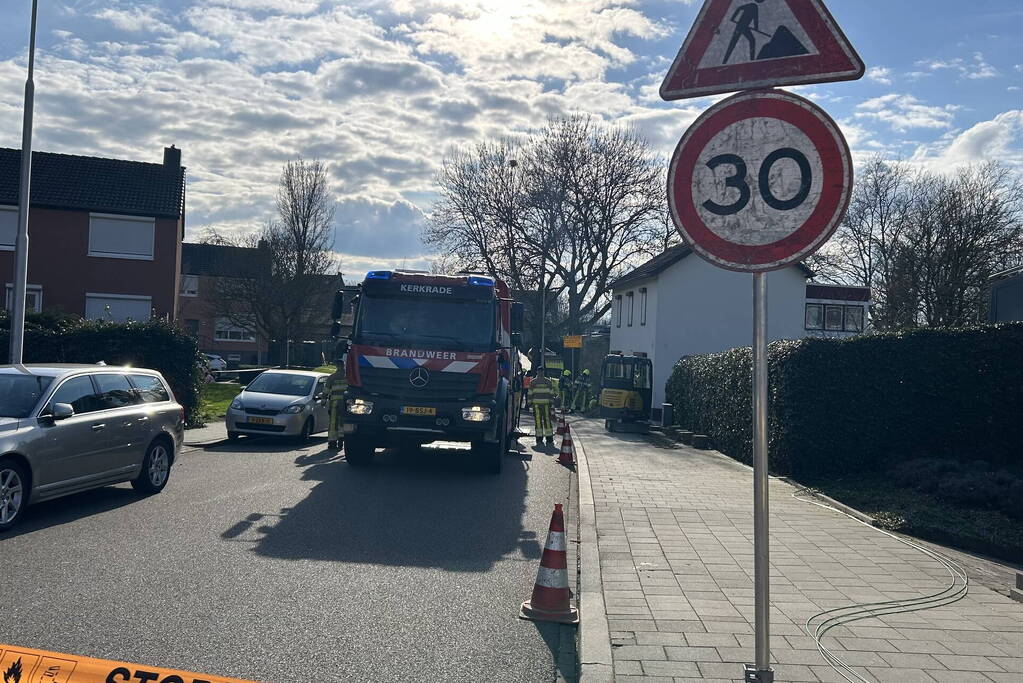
{"points": [[338, 308], [518, 315], [335, 330], [516, 339], [340, 349]]}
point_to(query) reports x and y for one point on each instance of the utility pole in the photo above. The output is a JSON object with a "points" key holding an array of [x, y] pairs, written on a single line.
{"points": [[20, 293]]}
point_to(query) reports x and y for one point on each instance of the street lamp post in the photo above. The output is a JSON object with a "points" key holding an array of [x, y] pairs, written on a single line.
{"points": [[20, 293]]}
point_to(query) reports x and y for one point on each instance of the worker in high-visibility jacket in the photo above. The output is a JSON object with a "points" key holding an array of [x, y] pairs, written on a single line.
{"points": [[337, 385], [541, 396], [581, 391], [566, 390]]}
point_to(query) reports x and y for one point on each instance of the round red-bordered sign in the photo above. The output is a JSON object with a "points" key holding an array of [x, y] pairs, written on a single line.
{"points": [[760, 181]]}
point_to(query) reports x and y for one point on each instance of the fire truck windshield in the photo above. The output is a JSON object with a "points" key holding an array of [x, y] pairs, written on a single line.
{"points": [[427, 322]]}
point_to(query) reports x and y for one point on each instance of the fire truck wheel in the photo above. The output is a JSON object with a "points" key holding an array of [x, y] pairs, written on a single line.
{"points": [[492, 454], [358, 452]]}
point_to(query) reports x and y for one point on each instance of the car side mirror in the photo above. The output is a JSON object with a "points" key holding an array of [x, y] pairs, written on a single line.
{"points": [[61, 411]]}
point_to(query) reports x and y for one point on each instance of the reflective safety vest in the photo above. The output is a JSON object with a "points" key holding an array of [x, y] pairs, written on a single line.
{"points": [[541, 391], [338, 383]]}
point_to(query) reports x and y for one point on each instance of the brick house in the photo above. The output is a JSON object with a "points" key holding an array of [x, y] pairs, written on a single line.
{"points": [[105, 234], [202, 267]]}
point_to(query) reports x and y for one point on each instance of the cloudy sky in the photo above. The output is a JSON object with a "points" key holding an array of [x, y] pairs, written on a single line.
{"points": [[381, 90]]}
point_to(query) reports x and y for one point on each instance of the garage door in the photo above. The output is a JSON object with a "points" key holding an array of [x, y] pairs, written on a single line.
{"points": [[118, 308]]}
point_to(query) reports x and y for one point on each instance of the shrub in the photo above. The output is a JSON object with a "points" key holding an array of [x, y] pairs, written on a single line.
{"points": [[866, 403], [156, 344]]}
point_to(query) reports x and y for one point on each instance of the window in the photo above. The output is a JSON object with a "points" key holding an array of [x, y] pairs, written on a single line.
{"points": [[8, 227], [33, 298], [617, 312], [114, 391], [642, 306], [834, 318], [641, 376], [814, 317], [118, 307], [121, 237], [19, 393], [77, 392], [227, 331], [150, 389], [189, 285], [632, 307], [614, 370], [854, 318]]}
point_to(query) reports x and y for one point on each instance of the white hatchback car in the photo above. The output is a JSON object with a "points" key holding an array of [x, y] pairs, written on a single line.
{"points": [[280, 402]]}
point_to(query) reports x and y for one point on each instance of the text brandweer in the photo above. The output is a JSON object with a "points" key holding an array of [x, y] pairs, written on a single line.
{"points": [[406, 353]]}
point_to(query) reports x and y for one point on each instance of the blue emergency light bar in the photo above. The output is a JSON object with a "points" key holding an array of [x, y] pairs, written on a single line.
{"points": [[378, 275], [481, 281]]}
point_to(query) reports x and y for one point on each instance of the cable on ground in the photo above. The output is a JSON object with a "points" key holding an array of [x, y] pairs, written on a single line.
{"points": [[842, 616]]}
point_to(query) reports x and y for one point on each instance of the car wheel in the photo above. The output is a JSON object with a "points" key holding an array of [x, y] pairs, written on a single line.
{"points": [[155, 469], [307, 431], [13, 493], [233, 436], [358, 452]]}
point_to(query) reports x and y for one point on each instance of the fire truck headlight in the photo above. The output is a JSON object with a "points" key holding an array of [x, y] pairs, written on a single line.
{"points": [[476, 414], [360, 406]]}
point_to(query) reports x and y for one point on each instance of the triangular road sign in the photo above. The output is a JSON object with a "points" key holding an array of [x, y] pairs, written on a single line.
{"points": [[747, 44]]}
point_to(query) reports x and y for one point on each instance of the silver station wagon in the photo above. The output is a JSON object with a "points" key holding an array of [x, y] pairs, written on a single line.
{"points": [[69, 428]]}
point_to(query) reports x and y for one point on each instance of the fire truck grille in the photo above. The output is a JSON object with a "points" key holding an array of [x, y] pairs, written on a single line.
{"points": [[443, 386]]}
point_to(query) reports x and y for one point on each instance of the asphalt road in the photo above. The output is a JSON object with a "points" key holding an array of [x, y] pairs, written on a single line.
{"points": [[275, 562]]}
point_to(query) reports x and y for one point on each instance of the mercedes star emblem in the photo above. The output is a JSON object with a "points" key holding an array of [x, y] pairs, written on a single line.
{"points": [[419, 378]]}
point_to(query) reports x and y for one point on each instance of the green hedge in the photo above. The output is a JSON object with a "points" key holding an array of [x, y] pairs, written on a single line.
{"points": [[860, 404], [155, 344]]}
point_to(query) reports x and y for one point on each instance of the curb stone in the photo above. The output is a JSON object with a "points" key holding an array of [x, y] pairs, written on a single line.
{"points": [[595, 662]]}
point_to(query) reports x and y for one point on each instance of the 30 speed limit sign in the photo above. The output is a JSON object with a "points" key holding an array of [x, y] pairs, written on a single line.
{"points": [[760, 181]]}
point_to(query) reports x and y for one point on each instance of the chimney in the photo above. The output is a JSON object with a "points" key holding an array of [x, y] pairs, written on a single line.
{"points": [[172, 157]]}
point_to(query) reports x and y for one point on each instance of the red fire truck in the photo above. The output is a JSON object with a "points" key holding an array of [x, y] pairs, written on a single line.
{"points": [[432, 358]]}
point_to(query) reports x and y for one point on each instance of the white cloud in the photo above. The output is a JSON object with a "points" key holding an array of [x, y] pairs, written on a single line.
{"points": [[903, 112], [1000, 139], [135, 20], [880, 74], [976, 68]]}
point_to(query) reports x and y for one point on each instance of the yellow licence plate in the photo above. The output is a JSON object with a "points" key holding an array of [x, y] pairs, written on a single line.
{"points": [[414, 410], [261, 420]]}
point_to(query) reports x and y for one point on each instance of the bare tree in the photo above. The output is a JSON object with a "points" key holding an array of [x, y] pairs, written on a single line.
{"points": [[926, 243], [564, 211], [294, 275], [963, 229]]}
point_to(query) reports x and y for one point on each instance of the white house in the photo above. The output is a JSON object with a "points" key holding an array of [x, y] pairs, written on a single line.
{"points": [[676, 304]]}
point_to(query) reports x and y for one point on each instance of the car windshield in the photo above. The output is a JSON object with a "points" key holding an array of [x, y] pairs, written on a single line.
{"points": [[19, 394], [280, 383], [427, 322]]}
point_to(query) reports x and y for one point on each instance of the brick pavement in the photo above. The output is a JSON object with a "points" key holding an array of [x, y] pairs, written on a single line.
{"points": [[674, 529]]}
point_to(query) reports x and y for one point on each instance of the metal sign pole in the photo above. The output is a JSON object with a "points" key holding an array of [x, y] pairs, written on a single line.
{"points": [[20, 288], [761, 539]]}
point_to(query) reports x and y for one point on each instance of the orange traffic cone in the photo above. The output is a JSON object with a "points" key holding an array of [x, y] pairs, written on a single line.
{"points": [[552, 600], [567, 455], [562, 426]]}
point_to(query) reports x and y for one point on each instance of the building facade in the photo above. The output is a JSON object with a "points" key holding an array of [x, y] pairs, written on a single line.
{"points": [[201, 313], [104, 234], [677, 304], [1006, 296]]}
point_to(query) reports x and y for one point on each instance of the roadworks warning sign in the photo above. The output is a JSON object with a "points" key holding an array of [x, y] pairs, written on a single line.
{"points": [[25, 665]]}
